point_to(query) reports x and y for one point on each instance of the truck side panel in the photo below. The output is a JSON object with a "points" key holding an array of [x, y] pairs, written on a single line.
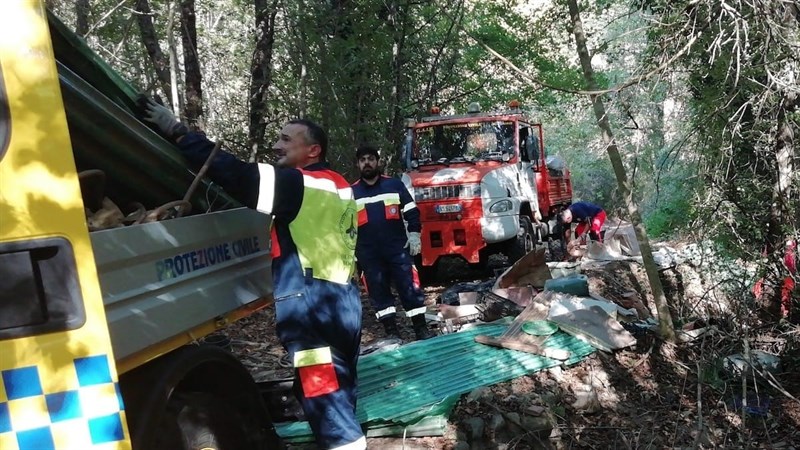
{"points": [[164, 278], [58, 382]]}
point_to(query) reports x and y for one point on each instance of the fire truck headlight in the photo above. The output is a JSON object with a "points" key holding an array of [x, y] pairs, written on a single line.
{"points": [[501, 206], [470, 191]]}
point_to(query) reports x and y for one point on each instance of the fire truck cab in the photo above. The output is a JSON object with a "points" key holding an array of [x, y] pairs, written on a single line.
{"points": [[483, 184]]}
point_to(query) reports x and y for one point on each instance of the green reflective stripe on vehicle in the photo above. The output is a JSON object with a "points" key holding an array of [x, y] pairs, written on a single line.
{"points": [[313, 357]]}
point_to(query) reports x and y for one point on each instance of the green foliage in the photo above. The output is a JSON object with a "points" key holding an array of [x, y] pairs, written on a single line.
{"points": [[703, 127], [673, 213]]}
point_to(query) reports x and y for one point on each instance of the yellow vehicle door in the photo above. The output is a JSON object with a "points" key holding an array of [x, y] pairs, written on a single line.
{"points": [[58, 382]]}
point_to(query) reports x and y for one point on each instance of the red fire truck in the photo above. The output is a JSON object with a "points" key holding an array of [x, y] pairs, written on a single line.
{"points": [[483, 184]]}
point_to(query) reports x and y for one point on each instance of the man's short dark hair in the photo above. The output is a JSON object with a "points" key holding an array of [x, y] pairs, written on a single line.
{"points": [[314, 135], [367, 150]]}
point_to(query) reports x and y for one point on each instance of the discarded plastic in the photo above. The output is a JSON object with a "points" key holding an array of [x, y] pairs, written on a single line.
{"points": [[539, 327], [563, 269], [575, 284]]}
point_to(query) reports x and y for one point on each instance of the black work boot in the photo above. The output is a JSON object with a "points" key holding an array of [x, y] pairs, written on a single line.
{"points": [[390, 327], [421, 327]]}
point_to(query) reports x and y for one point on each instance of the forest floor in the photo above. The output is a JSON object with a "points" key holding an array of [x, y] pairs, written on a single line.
{"points": [[654, 395]]}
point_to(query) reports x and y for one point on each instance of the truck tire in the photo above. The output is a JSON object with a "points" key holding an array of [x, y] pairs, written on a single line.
{"points": [[524, 242], [200, 421], [195, 397], [556, 251]]}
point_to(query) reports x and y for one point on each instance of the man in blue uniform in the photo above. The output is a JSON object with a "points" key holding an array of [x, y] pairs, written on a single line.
{"points": [[317, 306], [385, 248], [589, 216]]}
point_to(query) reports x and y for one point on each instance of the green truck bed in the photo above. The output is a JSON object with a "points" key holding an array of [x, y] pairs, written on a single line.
{"points": [[161, 280], [107, 133]]}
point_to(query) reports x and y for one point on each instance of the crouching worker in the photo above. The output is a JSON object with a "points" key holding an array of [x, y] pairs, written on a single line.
{"points": [[385, 248], [317, 306], [590, 218]]}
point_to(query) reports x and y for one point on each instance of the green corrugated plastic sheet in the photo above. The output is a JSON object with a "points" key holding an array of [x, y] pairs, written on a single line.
{"points": [[425, 378]]}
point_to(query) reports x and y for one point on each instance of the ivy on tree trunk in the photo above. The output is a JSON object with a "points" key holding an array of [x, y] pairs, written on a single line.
{"points": [[193, 89]]}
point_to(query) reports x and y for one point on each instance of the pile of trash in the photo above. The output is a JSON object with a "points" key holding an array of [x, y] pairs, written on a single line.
{"points": [[542, 297]]}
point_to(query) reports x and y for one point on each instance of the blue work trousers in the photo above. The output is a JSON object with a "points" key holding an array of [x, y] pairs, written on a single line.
{"points": [[325, 314], [380, 270]]}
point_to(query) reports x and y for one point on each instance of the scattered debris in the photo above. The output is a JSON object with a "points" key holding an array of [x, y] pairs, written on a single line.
{"points": [[566, 401], [530, 270], [381, 345], [739, 364], [539, 327], [515, 338], [596, 327], [426, 378], [575, 284], [563, 268]]}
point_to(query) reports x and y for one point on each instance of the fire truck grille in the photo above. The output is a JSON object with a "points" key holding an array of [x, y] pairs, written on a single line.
{"points": [[452, 191], [441, 192]]}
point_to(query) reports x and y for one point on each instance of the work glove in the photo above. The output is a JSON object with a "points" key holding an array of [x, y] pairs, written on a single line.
{"points": [[414, 244], [163, 118]]}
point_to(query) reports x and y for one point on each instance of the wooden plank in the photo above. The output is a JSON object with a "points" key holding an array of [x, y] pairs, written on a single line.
{"points": [[513, 344]]}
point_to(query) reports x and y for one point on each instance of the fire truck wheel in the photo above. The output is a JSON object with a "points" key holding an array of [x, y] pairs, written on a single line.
{"points": [[555, 249], [200, 421], [524, 242]]}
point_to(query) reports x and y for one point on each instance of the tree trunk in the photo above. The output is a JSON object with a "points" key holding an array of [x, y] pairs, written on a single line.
{"points": [[177, 100], [144, 18], [397, 21], [82, 17], [193, 90], [664, 317], [261, 73]]}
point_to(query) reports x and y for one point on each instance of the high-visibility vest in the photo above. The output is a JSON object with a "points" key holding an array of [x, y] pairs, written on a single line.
{"points": [[325, 228]]}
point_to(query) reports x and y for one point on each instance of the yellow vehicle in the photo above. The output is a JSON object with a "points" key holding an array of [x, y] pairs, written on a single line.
{"points": [[94, 326]]}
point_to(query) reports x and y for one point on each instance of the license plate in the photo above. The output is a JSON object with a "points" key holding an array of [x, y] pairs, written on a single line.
{"points": [[444, 209]]}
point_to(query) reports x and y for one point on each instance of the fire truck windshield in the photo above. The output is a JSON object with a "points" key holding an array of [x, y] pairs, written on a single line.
{"points": [[464, 142]]}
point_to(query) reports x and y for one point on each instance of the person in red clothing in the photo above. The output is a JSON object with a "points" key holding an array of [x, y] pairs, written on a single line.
{"points": [[788, 283], [589, 216]]}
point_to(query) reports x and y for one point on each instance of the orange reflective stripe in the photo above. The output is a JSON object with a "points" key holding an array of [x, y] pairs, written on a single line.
{"points": [[362, 217], [276, 246]]}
